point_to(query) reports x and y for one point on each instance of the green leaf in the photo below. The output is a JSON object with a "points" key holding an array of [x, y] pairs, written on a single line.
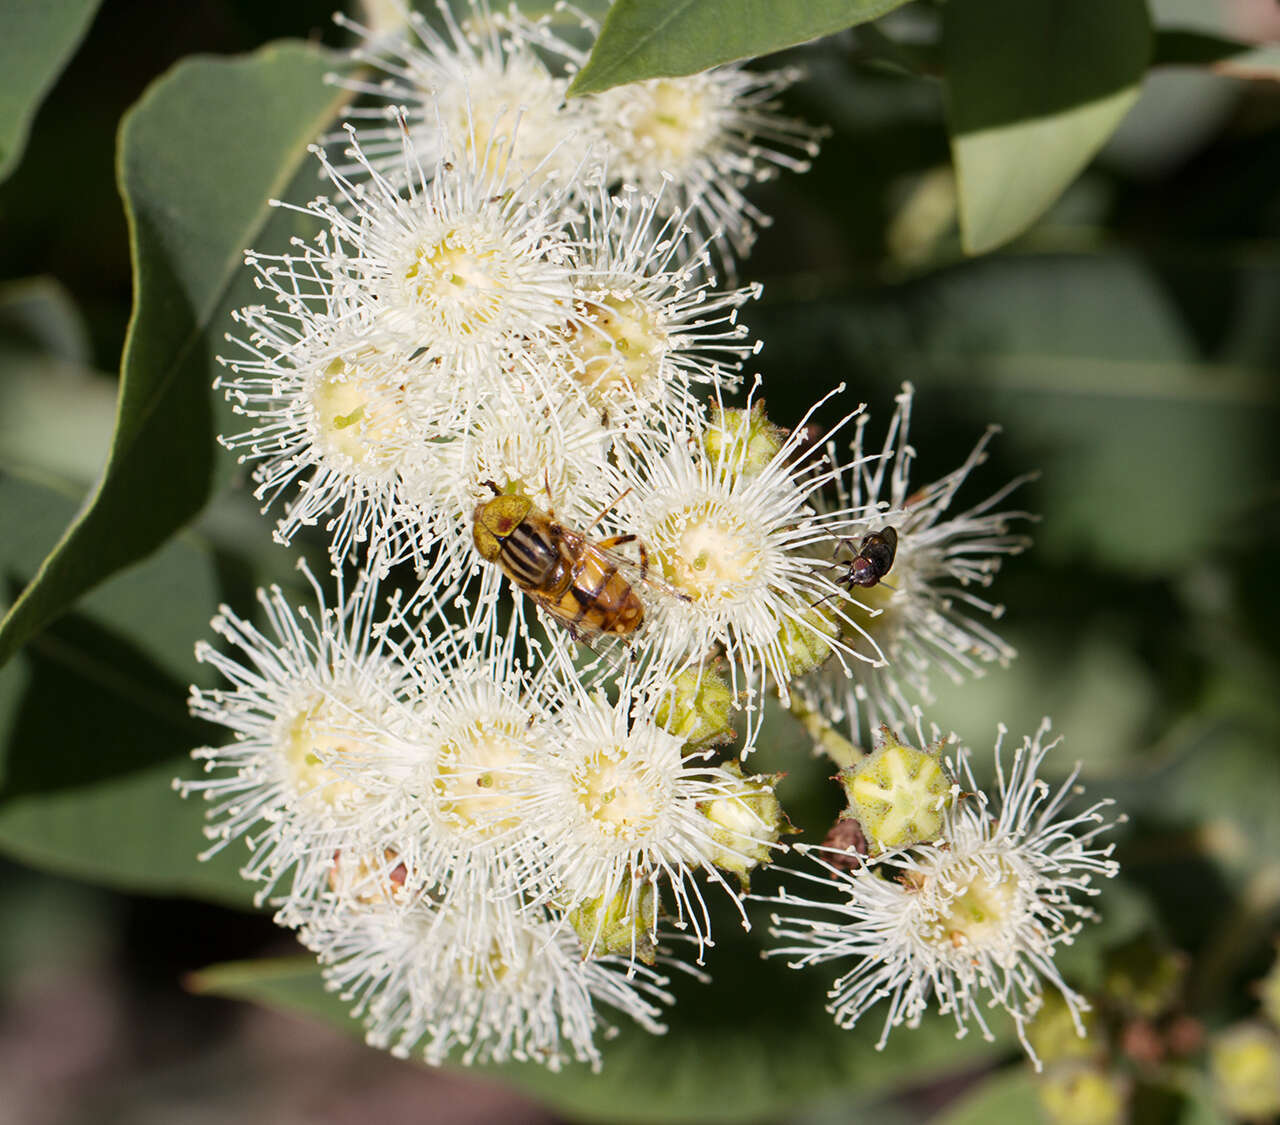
{"points": [[1035, 88], [283, 984], [1008, 1095], [93, 722], [754, 1043], [200, 155], [38, 40], [1176, 47], [654, 38], [38, 314], [1148, 406]]}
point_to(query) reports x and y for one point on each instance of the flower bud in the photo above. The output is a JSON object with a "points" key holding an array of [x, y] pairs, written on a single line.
{"points": [[695, 707], [623, 925], [1083, 1094], [1053, 1036], [898, 793], [806, 644], [1145, 979], [1244, 1062], [743, 437], [746, 825]]}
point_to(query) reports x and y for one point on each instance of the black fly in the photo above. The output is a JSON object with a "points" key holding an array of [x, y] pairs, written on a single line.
{"points": [[874, 558]]}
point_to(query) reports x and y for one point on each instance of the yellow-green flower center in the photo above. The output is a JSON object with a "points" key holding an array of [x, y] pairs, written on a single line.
{"points": [[677, 124], [316, 748], [353, 418], [976, 914], [620, 346], [475, 780], [619, 801], [461, 280], [708, 552]]}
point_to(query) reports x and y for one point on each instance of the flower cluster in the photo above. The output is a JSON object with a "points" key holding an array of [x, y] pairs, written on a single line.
{"points": [[488, 780]]}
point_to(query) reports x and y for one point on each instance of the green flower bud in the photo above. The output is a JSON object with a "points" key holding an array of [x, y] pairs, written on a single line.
{"points": [[1244, 1062], [1083, 1094], [1145, 979], [898, 793], [744, 437], [807, 644], [746, 825], [622, 925], [696, 708], [1052, 1033]]}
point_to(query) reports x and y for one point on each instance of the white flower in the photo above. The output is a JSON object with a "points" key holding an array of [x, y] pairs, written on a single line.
{"points": [[508, 985], [292, 784], [332, 410], [713, 133], [487, 89], [457, 757], [929, 611], [969, 922], [647, 326], [733, 544], [619, 806], [457, 267]]}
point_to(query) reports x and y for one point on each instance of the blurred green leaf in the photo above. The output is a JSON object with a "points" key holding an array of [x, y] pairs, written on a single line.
{"points": [[1007, 1096], [93, 723], [1175, 47], [200, 155], [55, 416], [38, 40], [284, 984], [1034, 89], [1199, 1106], [654, 38], [753, 1044], [38, 314], [1152, 440], [56, 413]]}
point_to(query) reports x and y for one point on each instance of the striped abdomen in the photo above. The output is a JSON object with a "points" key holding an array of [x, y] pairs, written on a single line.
{"points": [[596, 598]]}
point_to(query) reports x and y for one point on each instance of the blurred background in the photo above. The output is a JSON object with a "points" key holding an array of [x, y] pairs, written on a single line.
{"points": [[1128, 344]]}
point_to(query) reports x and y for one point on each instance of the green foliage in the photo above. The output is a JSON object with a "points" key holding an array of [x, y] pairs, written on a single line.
{"points": [[750, 1045], [1008, 1095], [38, 40], [1034, 89], [657, 38], [1174, 47], [200, 156], [93, 727]]}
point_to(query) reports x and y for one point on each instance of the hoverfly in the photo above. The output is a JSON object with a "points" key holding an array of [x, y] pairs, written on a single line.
{"points": [[874, 558], [570, 576]]}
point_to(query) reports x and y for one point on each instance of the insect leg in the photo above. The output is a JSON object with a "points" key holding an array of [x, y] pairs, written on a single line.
{"points": [[606, 510], [546, 484], [621, 541]]}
